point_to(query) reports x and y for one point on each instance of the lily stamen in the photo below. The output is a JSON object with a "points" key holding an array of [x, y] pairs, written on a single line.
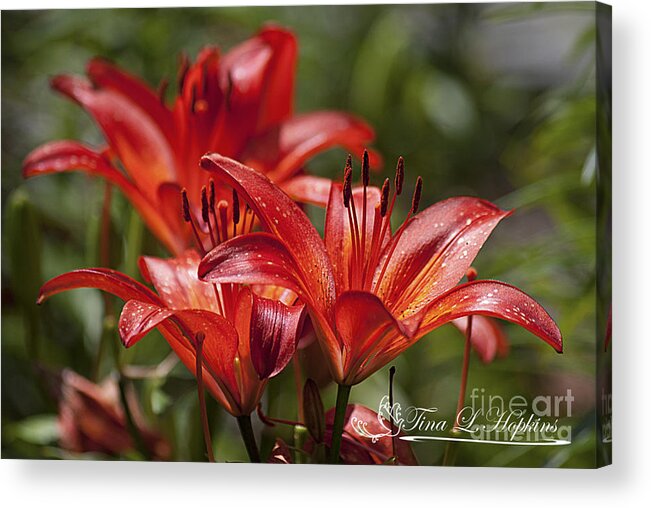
{"points": [[353, 210], [211, 206], [222, 210], [365, 181], [205, 215], [187, 217], [363, 262], [236, 212], [246, 226], [378, 227], [207, 209], [415, 201], [398, 181], [348, 196]]}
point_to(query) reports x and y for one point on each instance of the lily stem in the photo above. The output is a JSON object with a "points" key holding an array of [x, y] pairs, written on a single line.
{"points": [[205, 425], [450, 453], [244, 423], [343, 392], [132, 427], [464, 373]]}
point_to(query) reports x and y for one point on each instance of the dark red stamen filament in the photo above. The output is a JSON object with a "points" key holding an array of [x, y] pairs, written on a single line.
{"points": [[415, 201], [187, 217], [217, 225], [365, 180]]}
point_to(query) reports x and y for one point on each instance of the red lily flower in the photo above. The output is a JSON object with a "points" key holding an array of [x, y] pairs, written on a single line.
{"points": [[239, 105], [245, 338], [367, 438], [371, 293], [91, 419]]}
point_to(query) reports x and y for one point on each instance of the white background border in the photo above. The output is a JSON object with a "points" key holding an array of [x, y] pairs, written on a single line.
{"points": [[627, 483]]}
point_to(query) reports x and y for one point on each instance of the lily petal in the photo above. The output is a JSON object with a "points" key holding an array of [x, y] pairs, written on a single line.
{"points": [[363, 323], [199, 117], [275, 329], [62, 156], [132, 133], [242, 74], [219, 347], [358, 445], [255, 258], [113, 282], [177, 283], [488, 338], [314, 190], [283, 150], [435, 251], [261, 258], [106, 75], [277, 101], [494, 299], [280, 216], [128, 289], [337, 230], [138, 318]]}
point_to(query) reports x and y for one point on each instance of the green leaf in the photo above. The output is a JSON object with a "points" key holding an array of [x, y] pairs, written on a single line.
{"points": [[39, 430], [24, 239]]}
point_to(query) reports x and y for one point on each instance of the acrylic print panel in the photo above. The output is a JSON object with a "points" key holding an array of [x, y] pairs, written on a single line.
{"points": [[320, 234]]}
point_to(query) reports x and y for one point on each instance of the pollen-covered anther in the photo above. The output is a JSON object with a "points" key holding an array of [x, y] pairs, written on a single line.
{"points": [[186, 206], [348, 190], [236, 207], [349, 163], [400, 175], [415, 200], [384, 203], [211, 185], [365, 169], [205, 210], [187, 217]]}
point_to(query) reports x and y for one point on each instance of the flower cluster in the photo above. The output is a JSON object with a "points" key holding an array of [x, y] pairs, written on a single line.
{"points": [[218, 177]]}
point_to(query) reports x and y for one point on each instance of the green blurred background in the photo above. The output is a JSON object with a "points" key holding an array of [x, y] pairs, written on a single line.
{"points": [[496, 101]]}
